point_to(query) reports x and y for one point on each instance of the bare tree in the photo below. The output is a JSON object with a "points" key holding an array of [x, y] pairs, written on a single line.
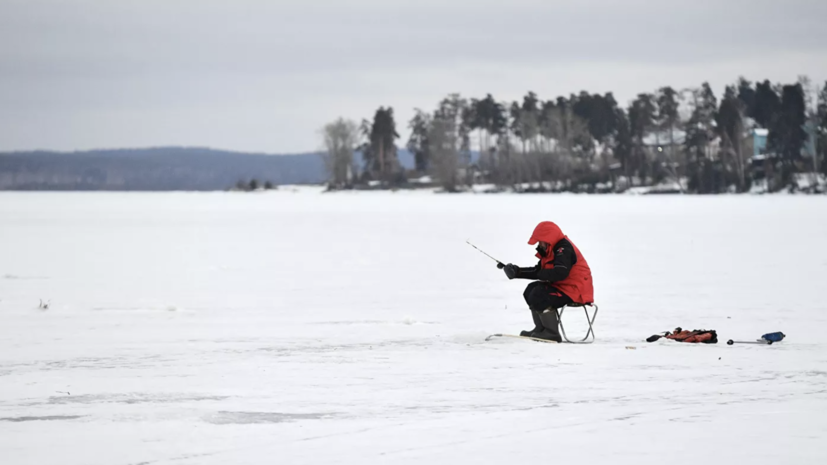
{"points": [[811, 101], [340, 139], [567, 136], [443, 146], [448, 140]]}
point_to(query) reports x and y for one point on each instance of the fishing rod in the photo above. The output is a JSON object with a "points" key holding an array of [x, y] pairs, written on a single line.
{"points": [[499, 263]]}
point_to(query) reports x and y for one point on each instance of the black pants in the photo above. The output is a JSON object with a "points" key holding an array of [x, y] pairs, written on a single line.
{"points": [[541, 295]]}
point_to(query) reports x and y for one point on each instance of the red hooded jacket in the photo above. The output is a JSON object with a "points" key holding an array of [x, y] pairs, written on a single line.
{"points": [[578, 285]]}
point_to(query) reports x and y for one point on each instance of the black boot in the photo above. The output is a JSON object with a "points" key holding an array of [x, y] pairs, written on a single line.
{"points": [[551, 330], [538, 325]]}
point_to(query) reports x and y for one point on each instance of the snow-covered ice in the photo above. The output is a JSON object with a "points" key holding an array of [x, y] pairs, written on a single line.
{"points": [[302, 327]]}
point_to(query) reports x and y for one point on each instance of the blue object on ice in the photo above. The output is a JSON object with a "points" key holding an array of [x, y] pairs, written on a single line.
{"points": [[773, 337]]}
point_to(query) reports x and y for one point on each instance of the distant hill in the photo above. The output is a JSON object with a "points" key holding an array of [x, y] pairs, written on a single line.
{"points": [[160, 169], [167, 168]]}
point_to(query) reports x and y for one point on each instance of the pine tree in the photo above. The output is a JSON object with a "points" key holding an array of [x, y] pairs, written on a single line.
{"points": [[746, 94], [418, 142], [525, 121], [518, 123], [668, 120], [624, 145], [700, 131], [600, 113], [730, 127], [821, 129], [787, 135], [606, 114], [668, 104], [490, 120], [767, 104], [642, 115], [379, 149]]}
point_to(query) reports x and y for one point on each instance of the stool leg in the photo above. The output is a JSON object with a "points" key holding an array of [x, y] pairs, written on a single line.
{"points": [[560, 322], [589, 320]]}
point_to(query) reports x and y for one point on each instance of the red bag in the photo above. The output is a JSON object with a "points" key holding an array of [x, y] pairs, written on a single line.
{"points": [[706, 336]]}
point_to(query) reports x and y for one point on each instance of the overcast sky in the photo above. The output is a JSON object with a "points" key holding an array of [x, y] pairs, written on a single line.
{"points": [[265, 75]]}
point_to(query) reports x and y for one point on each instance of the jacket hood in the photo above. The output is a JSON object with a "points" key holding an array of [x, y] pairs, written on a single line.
{"points": [[546, 232]]}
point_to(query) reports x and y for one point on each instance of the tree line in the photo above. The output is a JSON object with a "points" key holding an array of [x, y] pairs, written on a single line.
{"points": [[589, 143]]}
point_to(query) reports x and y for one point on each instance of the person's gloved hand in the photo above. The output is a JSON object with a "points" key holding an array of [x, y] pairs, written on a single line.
{"points": [[510, 271]]}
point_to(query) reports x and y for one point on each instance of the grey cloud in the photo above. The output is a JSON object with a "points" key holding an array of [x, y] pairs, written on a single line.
{"points": [[181, 58]]}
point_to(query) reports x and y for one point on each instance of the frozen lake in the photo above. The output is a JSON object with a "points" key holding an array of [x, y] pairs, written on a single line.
{"points": [[299, 327]]}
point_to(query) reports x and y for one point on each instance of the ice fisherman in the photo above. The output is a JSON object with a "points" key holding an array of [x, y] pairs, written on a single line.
{"points": [[561, 277]]}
